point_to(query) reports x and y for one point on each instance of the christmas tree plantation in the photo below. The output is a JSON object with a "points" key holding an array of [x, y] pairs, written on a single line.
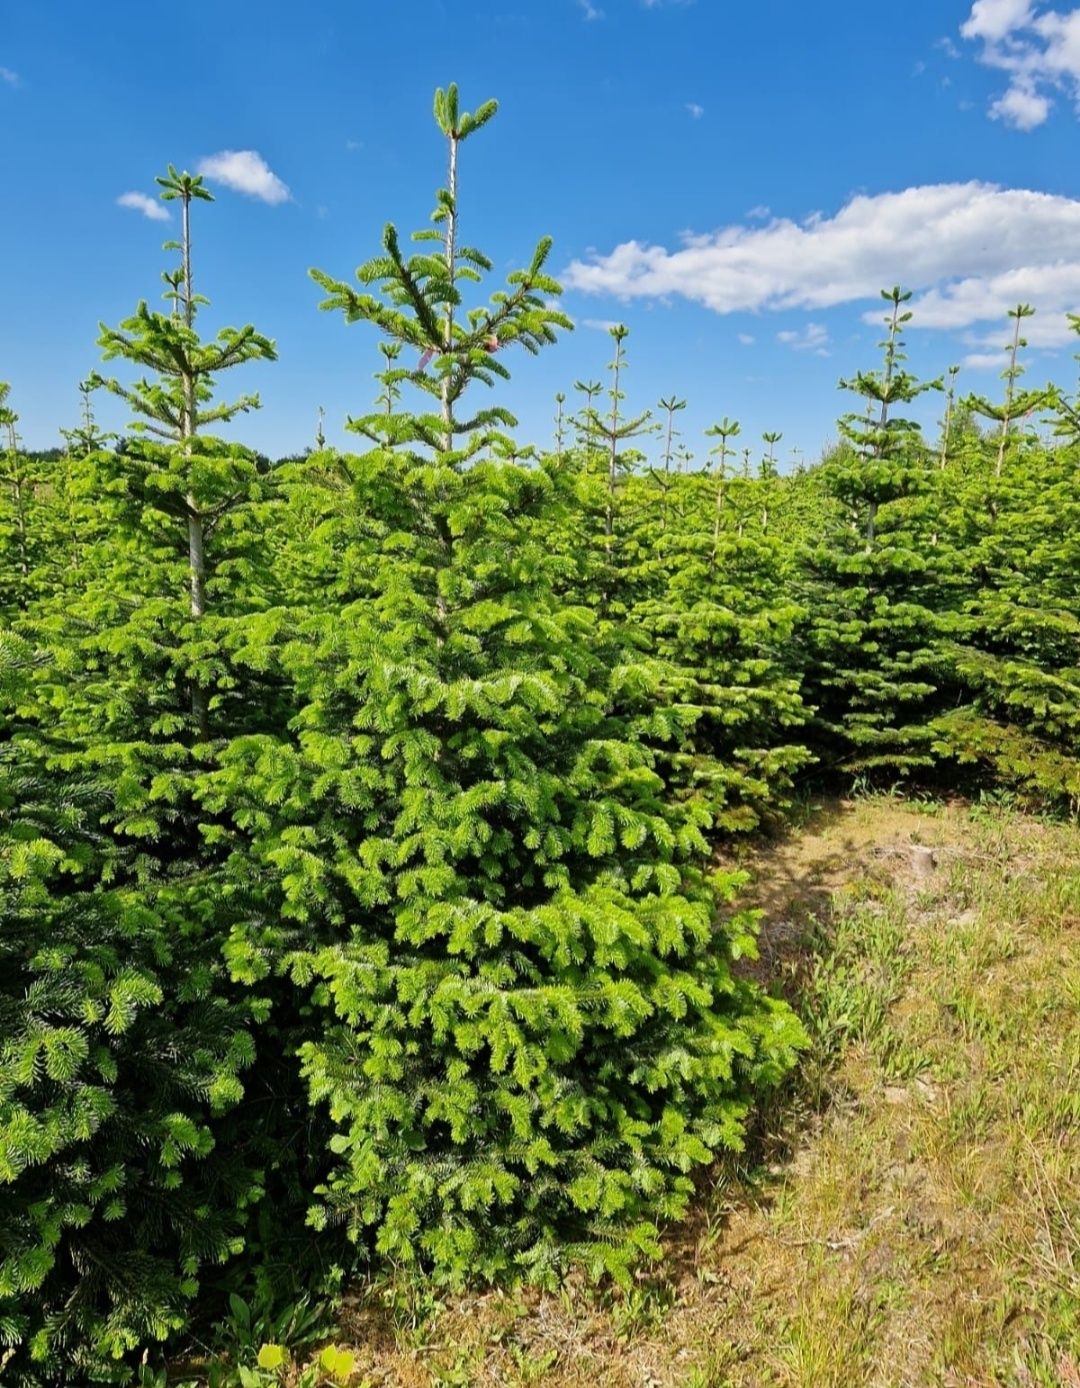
{"points": [[359, 811]]}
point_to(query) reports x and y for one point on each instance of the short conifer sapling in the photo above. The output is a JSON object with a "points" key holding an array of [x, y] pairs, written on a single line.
{"points": [[768, 467], [725, 430], [1017, 402], [671, 406], [612, 430], [560, 424], [86, 437], [950, 405], [879, 442], [15, 479]]}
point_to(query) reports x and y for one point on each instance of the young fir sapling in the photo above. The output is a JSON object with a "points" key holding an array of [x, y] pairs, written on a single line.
{"points": [[725, 430], [872, 667], [17, 483], [1017, 403], [947, 422]]}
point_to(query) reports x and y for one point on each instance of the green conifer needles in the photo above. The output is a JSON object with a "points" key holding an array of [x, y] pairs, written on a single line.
{"points": [[533, 1032]]}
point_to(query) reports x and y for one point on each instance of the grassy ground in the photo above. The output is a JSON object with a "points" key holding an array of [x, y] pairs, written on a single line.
{"points": [[910, 1214]]}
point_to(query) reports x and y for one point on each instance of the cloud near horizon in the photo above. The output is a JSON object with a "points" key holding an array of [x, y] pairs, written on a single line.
{"points": [[245, 171], [968, 250]]}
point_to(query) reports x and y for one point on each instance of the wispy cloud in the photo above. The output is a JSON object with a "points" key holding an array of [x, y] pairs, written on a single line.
{"points": [[9, 76], [600, 325], [747, 339], [968, 250], [142, 202], [353, 145], [589, 10], [695, 110], [984, 361], [245, 171], [813, 338], [1039, 51]]}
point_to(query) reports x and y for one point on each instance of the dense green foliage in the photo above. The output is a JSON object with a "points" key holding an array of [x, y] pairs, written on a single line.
{"points": [[357, 812]]}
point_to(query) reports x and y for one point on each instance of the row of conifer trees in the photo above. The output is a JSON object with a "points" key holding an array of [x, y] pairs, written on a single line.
{"points": [[357, 813]]}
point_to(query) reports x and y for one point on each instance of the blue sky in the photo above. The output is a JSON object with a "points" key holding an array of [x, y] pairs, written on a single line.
{"points": [[734, 181]]}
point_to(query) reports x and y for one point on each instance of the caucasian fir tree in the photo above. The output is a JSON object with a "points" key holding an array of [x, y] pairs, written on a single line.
{"points": [[529, 1032]]}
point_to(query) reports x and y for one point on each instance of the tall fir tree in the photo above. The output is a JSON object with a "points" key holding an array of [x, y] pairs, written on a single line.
{"points": [[530, 1028]]}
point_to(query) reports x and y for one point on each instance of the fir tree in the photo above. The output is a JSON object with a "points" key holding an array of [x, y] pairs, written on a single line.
{"points": [[872, 657], [1010, 512], [197, 478], [768, 466], [127, 1171], [726, 429], [19, 494], [531, 1032], [1016, 402], [611, 431], [947, 423], [671, 407]]}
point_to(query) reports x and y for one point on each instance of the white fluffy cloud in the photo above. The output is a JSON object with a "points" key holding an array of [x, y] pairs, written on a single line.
{"points": [[695, 109], [1038, 49], [9, 76], [968, 250], [988, 298], [141, 202], [1021, 106], [245, 171], [994, 20]]}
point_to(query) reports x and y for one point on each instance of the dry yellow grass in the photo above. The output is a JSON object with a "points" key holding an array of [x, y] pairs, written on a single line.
{"points": [[910, 1213]]}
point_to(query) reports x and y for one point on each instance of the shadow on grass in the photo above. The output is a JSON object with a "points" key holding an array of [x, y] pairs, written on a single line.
{"points": [[796, 874]]}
